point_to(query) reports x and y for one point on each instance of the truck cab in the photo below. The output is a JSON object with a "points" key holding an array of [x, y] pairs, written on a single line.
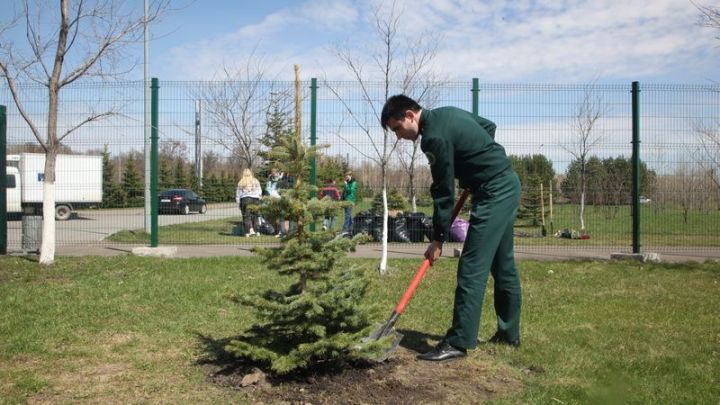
{"points": [[13, 190]]}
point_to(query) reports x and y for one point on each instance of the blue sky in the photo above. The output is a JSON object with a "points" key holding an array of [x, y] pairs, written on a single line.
{"points": [[496, 40], [518, 41]]}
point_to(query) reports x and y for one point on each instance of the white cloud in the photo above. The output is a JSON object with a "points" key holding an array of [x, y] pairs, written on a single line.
{"points": [[543, 40], [576, 43], [317, 15], [281, 39]]}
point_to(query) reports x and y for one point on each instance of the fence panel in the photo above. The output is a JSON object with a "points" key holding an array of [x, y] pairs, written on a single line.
{"points": [[210, 131]]}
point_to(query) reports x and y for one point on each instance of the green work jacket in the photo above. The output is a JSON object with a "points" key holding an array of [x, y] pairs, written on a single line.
{"points": [[349, 191], [458, 145]]}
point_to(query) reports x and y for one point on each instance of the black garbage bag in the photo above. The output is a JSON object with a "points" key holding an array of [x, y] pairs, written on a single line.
{"points": [[427, 227], [415, 227], [377, 225], [399, 230], [264, 227], [363, 223]]}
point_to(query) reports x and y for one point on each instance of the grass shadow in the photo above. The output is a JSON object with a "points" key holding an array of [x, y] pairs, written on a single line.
{"points": [[227, 365], [213, 353], [417, 341]]}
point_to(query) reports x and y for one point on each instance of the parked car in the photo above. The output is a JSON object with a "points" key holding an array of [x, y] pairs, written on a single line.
{"points": [[181, 201]]}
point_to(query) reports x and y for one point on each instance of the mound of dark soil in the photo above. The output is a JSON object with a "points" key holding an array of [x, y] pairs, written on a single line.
{"points": [[402, 379]]}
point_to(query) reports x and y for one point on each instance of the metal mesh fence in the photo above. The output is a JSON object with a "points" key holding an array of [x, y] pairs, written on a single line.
{"points": [[209, 131]]}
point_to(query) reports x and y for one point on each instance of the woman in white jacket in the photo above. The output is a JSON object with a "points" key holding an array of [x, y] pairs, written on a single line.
{"points": [[248, 193]]}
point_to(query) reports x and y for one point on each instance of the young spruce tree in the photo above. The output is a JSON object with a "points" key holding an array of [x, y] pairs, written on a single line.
{"points": [[322, 316]]}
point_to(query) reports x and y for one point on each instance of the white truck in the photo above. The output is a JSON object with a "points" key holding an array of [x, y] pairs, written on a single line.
{"points": [[78, 182]]}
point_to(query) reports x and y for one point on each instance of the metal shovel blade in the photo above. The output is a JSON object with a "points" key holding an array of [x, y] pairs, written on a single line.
{"points": [[383, 330], [380, 333]]}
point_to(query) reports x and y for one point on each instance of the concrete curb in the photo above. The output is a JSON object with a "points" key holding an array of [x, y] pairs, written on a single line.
{"points": [[641, 257], [160, 251]]}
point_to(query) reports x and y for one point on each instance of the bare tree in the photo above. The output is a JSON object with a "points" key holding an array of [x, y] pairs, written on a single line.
{"points": [[709, 17], [709, 156], [81, 41], [408, 154], [212, 162], [407, 63], [237, 107], [688, 185], [710, 134], [587, 114]]}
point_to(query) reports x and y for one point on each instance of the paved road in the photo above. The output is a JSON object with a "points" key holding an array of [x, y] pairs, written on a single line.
{"points": [[84, 235], [413, 251], [92, 226]]}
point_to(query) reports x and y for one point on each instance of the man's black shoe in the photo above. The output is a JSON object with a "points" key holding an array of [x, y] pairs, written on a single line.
{"points": [[443, 351], [499, 338]]}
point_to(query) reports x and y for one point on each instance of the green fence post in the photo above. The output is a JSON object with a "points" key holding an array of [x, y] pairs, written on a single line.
{"points": [[636, 166], [154, 167], [313, 128], [476, 96], [313, 136], [3, 180]]}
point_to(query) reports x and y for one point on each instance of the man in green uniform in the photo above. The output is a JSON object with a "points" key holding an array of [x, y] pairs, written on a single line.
{"points": [[461, 145]]}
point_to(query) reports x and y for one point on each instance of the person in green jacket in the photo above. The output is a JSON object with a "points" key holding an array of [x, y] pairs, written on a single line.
{"points": [[349, 194], [460, 145]]}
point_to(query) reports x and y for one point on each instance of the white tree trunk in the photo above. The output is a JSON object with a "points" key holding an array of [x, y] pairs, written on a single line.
{"points": [[47, 246], [414, 204], [382, 268], [582, 211]]}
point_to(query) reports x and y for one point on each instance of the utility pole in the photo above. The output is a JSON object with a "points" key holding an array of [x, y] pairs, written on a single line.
{"points": [[198, 143], [146, 120]]}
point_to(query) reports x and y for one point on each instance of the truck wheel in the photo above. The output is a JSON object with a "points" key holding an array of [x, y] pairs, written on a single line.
{"points": [[203, 208], [185, 210], [62, 212]]}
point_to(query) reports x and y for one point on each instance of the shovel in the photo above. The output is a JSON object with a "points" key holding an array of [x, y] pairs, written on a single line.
{"points": [[387, 329]]}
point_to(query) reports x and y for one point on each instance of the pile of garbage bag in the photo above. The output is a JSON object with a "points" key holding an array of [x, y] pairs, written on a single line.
{"points": [[412, 227], [403, 228]]}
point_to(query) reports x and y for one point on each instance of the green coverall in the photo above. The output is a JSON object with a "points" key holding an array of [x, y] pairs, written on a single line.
{"points": [[461, 145]]}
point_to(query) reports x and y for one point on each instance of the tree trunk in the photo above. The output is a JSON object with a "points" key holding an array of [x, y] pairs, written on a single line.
{"points": [[412, 186], [47, 246], [382, 268], [582, 211], [582, 195]]}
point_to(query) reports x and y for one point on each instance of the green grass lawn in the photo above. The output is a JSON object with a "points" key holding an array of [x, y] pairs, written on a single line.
{"points": [[606, 226], [658, 227], [125, 329]]}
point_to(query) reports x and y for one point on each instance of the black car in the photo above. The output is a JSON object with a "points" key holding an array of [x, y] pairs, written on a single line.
{"points": [[181, 201]]}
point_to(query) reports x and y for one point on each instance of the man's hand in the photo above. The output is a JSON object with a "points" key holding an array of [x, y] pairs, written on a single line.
{"points": [[434, 251]]}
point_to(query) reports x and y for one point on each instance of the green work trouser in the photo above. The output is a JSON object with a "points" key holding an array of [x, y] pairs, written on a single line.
{"points": [[488, 249]]}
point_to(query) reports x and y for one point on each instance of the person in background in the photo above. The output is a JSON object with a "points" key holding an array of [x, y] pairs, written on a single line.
{"points": [[462, 145], [272, 188], [273, 183], [331, 192], [247, 194], [349, 194]]}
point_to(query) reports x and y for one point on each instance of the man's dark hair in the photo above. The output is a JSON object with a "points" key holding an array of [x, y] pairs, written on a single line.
{"points": [[396, 106]]}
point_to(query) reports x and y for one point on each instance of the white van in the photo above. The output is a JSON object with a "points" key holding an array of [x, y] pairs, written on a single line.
{"points": [[78, 182]]}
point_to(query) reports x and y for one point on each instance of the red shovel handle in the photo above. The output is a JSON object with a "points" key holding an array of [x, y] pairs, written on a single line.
{"points": [[420, 273]]}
